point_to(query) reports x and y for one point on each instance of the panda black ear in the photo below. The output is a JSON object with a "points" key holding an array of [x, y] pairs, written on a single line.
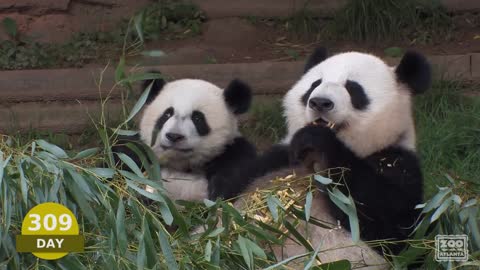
{"points": [[157, 86], [318, 56], [415, 71], [238, 96]]}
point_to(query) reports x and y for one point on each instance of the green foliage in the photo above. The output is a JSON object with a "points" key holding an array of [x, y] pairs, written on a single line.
{"points": [[448, 129], [10, 27], [422, 21], [394, 52], [80, 50], [449, 212], [265, 123], [303, 23], [171, 20], [164, 19], [120, 231]]}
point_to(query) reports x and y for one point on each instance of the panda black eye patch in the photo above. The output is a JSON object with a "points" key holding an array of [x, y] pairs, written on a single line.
{"points": [[165, 116], [357, 94], [306, 96], [200, 122]]}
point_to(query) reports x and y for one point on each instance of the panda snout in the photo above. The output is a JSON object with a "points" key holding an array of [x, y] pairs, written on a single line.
{"points": [[174, 137], [321, 104]]}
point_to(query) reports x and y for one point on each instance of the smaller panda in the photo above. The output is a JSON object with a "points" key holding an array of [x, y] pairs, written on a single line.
{"points": [[353, 111], [192, 127]]}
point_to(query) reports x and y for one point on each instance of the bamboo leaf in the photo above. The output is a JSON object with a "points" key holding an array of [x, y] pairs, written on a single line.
{"points": [[297, 235], [156, 185], [80, 181], [208, 251], [130, 163], [470, 203], [349, 209], [313, 258], [120, 228], [216, 253], [255, 249], [286, 261], [272, 206], [82, 202], [102, 172], [216, 232], [141, 101], [163, 206], [436, 200], [308, 205], [138, 22], [150, 251], [340, 196], [322, 180], [208, 203], [444, 206], [246, 253], [23, 183], [87, 153], [141, 255], [120, 70], [167, 249], [3, 164], [457, 199], [55, 150], [124, 132]]}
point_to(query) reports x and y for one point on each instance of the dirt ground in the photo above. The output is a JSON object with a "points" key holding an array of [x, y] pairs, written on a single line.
{"points": [[234, 40]]}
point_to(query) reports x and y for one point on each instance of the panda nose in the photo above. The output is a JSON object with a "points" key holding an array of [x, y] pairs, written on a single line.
{"points": [[174, 137], [321, 104]]}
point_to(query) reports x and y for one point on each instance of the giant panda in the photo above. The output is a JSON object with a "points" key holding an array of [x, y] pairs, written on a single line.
{"points": [[192, 127], [353, 111]]}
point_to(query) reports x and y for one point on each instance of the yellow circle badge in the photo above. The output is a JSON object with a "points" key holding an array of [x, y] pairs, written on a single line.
{"points": [[50, 231]]}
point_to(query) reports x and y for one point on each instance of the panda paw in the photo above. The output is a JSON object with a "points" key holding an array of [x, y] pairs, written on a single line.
{"points": [[311, 140]]}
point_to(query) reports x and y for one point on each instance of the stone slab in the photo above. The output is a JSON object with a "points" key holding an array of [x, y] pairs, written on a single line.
{"points": [[475, 62], [71, 117], [451, 66], [58, 100], [53, 85], [44, 5], [265, 8], [461, 5], [81, 84]]}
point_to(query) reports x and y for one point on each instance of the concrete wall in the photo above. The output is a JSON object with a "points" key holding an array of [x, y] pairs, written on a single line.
{"points": [[66, 100]]}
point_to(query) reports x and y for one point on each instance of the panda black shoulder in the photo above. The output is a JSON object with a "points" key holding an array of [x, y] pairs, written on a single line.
{"points": [[225, 173]]}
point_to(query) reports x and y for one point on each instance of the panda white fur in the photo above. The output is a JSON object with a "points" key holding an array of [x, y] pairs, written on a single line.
{"points": [[191, 126], [353, 111]]}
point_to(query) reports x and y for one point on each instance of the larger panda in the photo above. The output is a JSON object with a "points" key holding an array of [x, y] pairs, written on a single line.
{"points": [[353, 111], [192, 127]]}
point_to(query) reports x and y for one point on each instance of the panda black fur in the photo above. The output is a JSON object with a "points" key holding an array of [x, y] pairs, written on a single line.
{"points": [[353, 111], [191, 126]]}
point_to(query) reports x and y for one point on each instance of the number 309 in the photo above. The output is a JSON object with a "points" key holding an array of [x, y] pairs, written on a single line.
{"points": [[50, 222]]}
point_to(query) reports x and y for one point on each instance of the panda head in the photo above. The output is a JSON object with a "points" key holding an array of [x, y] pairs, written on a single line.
{"points": [[365, 101], [188, 122]]}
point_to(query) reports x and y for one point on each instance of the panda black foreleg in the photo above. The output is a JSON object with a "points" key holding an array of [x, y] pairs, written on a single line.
{"points": [[386, 185], [226, 173], [322, 140]]}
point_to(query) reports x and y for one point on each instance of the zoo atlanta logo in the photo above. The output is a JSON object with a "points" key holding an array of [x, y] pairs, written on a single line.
{"points": [[451, 247]]}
